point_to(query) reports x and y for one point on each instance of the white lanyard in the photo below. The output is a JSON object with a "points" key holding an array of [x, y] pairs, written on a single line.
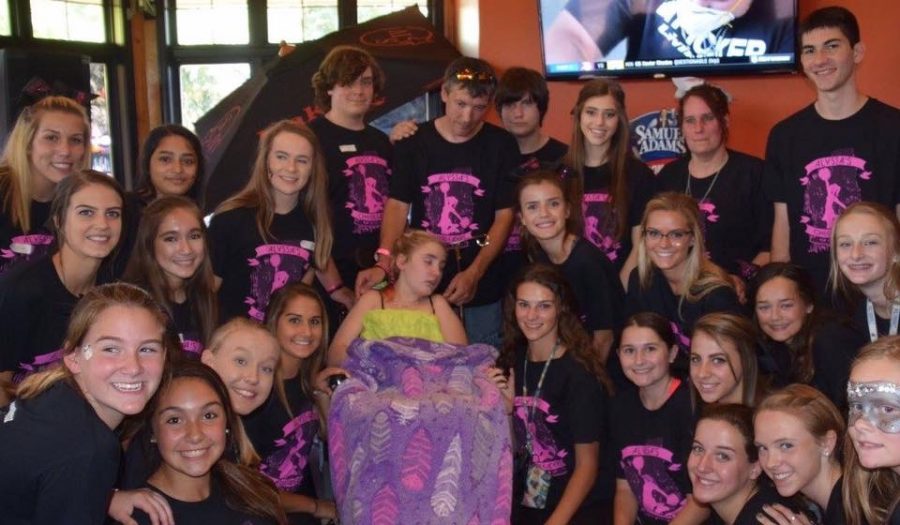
{"points": [[873, 328]]}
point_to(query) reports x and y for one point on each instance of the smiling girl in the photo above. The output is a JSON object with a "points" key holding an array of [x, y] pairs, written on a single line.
{"points": [[283, 430], [674, 278], [799, 433], [49, 142], [550, 235], [865, 267], [37, 298], [201, 455], [171, 261], [723, 359], [610, 183], [60, 456], [800, 342], [724, 467], [649, 435], [872, 454], [560, 409], [276, 230]]}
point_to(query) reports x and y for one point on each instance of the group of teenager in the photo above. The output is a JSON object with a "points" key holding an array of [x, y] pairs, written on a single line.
{"points": [[666, 353]]}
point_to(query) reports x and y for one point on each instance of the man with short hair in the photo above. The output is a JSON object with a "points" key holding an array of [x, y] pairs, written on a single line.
{"points": [[843, 148], [357, 156], [453, 177]]}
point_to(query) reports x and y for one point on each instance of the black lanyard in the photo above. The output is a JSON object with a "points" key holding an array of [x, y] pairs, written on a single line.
{"points": [[537, 391]]}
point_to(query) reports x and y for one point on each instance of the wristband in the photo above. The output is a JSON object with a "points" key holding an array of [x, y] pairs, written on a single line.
{"points": [[334, 288], [383, 252], [385, 269]]}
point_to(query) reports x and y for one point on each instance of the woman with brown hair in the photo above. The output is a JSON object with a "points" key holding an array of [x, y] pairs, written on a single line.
{"points": [[277, 229]]}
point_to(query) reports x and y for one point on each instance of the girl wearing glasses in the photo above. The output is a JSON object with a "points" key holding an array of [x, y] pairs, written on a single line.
{"points": [[674, 278], [872, 454]]}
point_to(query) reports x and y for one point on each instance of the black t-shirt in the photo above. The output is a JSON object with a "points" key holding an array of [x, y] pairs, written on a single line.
{"points": [[251, 268], [213, 509], [16, 246], [571, 409], [834, 348], [765, 495], [757, 32], [895, 516], [188, 328], [596, 285], [283, 441], [454, 190], [58, 460], [651, 448], [599, 216], [359, 166], [817, 167], [682, 314], [35, 308], [834, 512], [737, 218]]}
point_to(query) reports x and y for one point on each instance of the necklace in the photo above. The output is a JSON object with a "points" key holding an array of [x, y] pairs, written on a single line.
{"points": [[687, 187]]}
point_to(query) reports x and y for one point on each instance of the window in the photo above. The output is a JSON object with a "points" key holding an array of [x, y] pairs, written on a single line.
{"points": [[369, 9], [212, 22], [81, 20], [200, 70], [5, 27], [204, 85], [101, 132]]}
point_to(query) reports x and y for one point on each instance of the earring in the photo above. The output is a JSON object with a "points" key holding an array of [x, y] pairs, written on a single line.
{"points": [[826, 453], [153, 439], [227, 431]]}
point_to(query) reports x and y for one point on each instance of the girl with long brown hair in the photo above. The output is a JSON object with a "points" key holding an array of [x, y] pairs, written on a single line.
{"points": [[277, 229]]}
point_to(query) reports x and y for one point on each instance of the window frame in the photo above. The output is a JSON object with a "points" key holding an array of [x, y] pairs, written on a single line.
{"points": [[257, 52], [119, 69]]}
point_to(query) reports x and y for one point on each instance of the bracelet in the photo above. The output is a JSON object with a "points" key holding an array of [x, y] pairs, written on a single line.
{"points": [[382, 251], [334, 288], [385, 269]]}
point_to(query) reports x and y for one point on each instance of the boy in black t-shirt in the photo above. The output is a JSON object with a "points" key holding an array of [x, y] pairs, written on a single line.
{"points": [[841, 149], [453, 179], [357, 156]]}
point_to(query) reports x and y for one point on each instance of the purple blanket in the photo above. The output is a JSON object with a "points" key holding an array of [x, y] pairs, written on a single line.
{"points": [[419, 434]]}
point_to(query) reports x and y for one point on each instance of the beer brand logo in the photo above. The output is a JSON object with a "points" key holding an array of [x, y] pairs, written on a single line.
{"points": [[656, 138]]}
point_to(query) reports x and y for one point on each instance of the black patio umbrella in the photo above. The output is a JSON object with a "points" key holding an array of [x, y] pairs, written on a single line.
{"points": [[411, 51]]}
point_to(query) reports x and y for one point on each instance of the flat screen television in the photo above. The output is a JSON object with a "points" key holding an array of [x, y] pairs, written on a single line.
{"points": [[590, 38]]}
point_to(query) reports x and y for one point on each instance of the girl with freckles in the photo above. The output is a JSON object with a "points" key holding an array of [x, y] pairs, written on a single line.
{"points": [[37, 298], [60, 455], [865, 267], [201, 455], [799, 433], [871, 490], [171, 260]]}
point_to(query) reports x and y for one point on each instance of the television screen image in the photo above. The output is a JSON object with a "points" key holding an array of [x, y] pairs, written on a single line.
{"points": [[588, 38]]}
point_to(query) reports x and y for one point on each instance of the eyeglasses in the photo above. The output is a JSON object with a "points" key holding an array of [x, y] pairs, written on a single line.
{"points": [[469, 75], [674, 236]]}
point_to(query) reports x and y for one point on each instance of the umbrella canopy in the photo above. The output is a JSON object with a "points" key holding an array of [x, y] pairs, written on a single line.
{"points": [[411, 51]]}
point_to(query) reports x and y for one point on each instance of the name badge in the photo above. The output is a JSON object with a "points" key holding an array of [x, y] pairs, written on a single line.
{"points": [[347, 148]]}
